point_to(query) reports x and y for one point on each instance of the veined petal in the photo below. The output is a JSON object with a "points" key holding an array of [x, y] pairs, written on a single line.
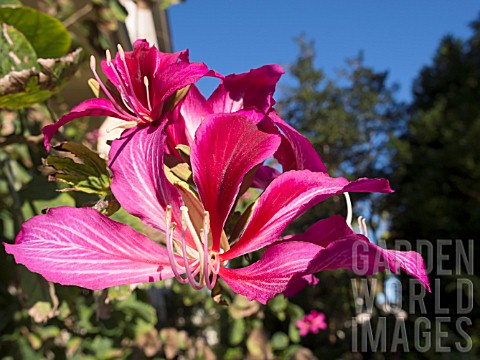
{"points": [[139, 182], [272, 273], [85, 248], [90, 107], [165, 73], [324, 231], [185, 119], [226, 147], [358, 254], [287, 197], [193, 110], [252, 89], [296, 152]]}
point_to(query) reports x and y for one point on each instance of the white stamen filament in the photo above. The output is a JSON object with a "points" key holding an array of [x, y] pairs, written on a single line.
{"points": [[204, 264], [129, 101], [127, 73], [123, 92], [170, 227], [362, 226], [93, 66], [349, 209]]}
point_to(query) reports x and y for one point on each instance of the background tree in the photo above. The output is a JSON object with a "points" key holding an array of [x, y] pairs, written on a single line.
{"points": [[437, 173], [350, 120]]}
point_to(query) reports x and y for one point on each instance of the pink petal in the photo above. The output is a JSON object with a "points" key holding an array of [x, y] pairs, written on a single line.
{"points": [[193, 110], [185, 119], [264, 176], [359, 255], [85, 248], [324, 231], [139, 182], [166, 73], [272, 273], [252, 89], [90, 107], [298, 283], [226, 147], [287, 197], [303, 327], [296, 152]]}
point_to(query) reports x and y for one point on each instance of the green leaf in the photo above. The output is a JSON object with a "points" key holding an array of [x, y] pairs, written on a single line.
{"points": [[81, 168], [10, 2], [23, 88], [293, 332], [120, 292], [118, 10], [279, 341], [47, 35], [16, 53], [33, 286], [237, 332]]}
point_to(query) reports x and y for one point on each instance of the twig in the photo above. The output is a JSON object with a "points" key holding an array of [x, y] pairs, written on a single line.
{"points": [[20, 139], [77, 15]]}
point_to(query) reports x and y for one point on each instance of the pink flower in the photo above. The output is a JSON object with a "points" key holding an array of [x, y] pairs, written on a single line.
{"points": [[252, 91], [139, 83], [313, 322], [230, 135], [82, 247], [317, 321]]}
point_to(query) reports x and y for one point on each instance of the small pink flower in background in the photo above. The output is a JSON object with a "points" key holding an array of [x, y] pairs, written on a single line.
{"points": [[311, 323], [92, 137], [317, 321]]}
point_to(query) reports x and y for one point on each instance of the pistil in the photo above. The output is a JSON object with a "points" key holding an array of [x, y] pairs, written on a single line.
{"points": [[145, 81]]}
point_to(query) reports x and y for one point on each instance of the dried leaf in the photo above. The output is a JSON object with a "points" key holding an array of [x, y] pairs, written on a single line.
{"points": [[81, 168], [23, 88]]}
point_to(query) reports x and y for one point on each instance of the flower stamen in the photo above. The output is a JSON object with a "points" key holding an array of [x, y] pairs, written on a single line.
{"points": [[206, 257], [199, 262], [170, 227], [362, 226], [349, 209], [188, 271], [93, 66]]}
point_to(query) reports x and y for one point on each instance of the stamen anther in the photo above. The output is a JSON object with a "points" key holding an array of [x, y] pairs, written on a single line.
{"points": [[109, 57], [93, 63], [121, 52]]}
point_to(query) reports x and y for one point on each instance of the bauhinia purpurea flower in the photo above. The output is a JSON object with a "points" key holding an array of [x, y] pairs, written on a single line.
{"points": [[140, 86], [229, 137]]}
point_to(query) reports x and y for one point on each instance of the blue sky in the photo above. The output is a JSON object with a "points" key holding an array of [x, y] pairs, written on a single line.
{"points": [[401, 36]]}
